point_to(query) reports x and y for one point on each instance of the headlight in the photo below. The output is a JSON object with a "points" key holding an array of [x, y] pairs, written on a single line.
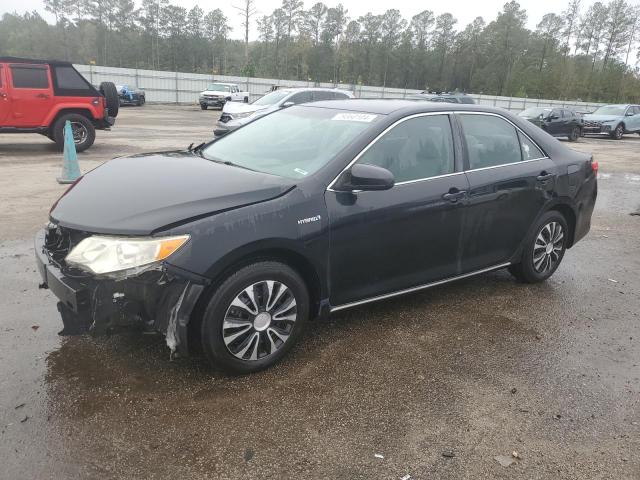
{"points": [[237, 116], [101, 254]]}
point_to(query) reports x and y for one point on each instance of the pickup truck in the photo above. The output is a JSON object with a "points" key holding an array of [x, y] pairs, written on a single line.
{"points": [[217, 94]]}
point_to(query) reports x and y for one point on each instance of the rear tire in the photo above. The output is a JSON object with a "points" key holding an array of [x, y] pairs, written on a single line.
{"points": [[203, 107], [543, 250], [253, 298], [246, 99], [83, 131], [112, 99]]}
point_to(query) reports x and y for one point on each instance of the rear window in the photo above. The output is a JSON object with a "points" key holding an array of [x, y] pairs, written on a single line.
{"points": [[67, 78], [30, 76], [491, 141]]}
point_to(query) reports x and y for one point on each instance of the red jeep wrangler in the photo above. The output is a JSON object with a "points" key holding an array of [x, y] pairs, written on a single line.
{"points": [[39, 96]]}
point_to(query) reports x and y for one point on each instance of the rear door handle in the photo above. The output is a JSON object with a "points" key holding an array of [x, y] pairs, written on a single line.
{"points": [[42, 95], [544, 176], [454, 195]]}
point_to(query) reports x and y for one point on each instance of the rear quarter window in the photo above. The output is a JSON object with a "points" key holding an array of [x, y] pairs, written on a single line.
{"points": [[67, 78], [30, 76]]}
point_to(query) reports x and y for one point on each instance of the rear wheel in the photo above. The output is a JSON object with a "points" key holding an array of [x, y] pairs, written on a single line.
{"points": [[203, 107], [112, 99], [84, 133], [141, 101], [255, 317], [246, 99], [543, 250]]}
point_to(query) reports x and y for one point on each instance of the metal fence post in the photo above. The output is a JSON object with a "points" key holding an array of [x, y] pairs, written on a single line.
{"points": [[177, 89]]}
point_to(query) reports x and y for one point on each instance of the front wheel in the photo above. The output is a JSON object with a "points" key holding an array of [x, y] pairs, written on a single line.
{"points": [[254, 317], [574, 134], [618, 132], [203, 107], [543, 251]]}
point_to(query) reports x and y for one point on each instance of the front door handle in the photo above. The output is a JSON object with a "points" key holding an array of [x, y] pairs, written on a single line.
{"points": [[544, 176], [453, 195]]}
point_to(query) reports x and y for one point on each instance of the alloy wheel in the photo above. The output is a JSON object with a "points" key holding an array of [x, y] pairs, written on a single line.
{"points": [[618, 132], [79, 132], [548, 247], [259, 320]]}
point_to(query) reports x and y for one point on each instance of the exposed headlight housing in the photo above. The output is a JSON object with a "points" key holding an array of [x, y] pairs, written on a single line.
{"points": [[106, 254]]}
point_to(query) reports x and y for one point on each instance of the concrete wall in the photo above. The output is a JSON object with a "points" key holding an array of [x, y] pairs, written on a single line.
{"points": [[183, 88]]}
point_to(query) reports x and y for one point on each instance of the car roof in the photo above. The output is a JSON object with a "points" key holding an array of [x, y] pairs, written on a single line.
{"points": [[224, 83], [409, 107], [311, 89], [33, 61]]}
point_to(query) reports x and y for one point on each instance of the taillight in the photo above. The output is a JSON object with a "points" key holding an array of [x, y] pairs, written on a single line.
{"points": [[594, 166], [96, 101]]}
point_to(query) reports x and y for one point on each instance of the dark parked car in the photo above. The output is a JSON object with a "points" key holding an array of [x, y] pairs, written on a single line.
{"points": [[559, 122], [131, 96], [233, 246], [442, 97]]}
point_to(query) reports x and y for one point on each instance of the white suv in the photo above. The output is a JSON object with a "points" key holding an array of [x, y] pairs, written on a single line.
{"points": [[235, 116], [217, 94]]}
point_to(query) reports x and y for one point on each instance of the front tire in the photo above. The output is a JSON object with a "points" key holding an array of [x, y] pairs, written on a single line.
{"points": [[84, 133], [618, 132], [543, 250], [574, 134], [255, 317], [203, 107]]}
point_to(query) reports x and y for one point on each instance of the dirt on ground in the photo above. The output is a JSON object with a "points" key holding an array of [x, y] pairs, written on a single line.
{"points": [[483, 378]]}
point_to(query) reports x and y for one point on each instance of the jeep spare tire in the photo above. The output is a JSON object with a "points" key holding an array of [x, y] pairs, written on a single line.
{"points": [[110, 92]]}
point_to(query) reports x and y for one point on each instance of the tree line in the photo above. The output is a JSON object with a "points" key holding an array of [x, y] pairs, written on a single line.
{"points": [[581, 53]]}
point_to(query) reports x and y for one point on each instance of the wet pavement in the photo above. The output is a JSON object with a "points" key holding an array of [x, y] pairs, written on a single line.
{"points": [[439, 383]]}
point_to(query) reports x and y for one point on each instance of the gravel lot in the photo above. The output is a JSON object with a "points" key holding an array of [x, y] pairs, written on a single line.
{"points": [[439, 383]]}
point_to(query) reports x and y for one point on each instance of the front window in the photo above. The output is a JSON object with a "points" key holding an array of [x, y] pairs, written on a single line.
{"points": [[610, 110], [294, 142], [416, 149], [217, 87], [272, 98]]}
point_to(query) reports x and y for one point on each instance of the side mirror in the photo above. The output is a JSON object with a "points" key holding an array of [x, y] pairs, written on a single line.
{"points": [[365, 177], [553, 117], [287, 104]]}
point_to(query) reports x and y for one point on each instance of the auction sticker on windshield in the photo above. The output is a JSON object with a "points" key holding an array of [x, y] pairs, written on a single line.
{"points": [[355, 117]]}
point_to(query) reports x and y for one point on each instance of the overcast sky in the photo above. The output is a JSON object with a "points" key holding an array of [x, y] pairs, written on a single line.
{"points": [[464, 10]]}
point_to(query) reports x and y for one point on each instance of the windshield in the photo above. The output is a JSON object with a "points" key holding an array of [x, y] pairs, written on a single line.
{"points": [[535, 112], [611, 110], [272, 98], [293, 143], [217, 87]]}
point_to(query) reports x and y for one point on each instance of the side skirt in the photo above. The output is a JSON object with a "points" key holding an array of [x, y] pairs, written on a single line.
{"points": [[420, 287]]}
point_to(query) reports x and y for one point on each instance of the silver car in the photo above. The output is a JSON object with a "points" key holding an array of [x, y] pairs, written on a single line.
{"points": [[235, 115]]}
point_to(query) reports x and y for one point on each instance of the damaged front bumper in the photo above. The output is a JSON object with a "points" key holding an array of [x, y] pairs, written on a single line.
{"points": [[160, 299]]}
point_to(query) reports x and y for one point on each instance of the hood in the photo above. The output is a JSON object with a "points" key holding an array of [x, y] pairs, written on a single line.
{"points": [[239, 107], [601, 118], [141, 194], [215, 92]]}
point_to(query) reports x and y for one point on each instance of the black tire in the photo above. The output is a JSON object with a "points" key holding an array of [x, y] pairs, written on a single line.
{"points": [[245, 346], [203, 107], [141, 101], [79, 123], [618, 132], [574, 134], [531, 269], [110, 92], [246, 99]]}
